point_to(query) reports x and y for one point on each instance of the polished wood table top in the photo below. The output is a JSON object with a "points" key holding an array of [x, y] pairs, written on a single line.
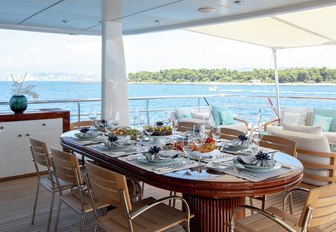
{"points": [[202, 182]]}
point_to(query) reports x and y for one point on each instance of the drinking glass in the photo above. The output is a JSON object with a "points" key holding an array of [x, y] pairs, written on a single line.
{"points": [[187, 147], [216, 133], [115, 119], [257, 135], [92, 116], [198, 139], [166, 118], [149, 129]]}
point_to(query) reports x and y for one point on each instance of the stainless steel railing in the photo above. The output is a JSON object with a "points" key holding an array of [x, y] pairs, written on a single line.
{"points": [[76, 115]]}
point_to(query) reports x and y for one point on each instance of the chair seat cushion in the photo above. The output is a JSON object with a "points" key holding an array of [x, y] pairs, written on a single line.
{"points": [[237, 126]]}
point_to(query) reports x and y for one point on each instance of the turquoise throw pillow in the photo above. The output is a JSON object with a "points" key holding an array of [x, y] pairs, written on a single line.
{"points": [[216, 114], [186, 115], [180, 112], [327, 112], [322, 121], [226, 117]]}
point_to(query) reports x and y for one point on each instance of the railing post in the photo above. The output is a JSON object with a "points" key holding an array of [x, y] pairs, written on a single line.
{"points": [[147, 108], [79, 111]]}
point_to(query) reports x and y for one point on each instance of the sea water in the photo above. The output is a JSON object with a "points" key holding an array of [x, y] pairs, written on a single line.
{"points": [[244, 100]]}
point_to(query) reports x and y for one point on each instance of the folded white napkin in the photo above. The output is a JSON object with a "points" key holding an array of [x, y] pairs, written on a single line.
{"points": [[253, 160]]}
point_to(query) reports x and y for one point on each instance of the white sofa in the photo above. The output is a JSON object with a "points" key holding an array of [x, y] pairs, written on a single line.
{"points": [[208, 116], [309, 142], [311, 121]]}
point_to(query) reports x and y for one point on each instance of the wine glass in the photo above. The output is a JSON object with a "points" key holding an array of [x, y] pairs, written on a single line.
{"points": [[216, 134], [198, 139], [187, 143], [166, 118], [92, 116], [257, 135], [149, 129], [115, 119]]}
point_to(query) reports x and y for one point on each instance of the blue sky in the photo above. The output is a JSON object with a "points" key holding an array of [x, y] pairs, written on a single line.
{"points": [[43, 52]]}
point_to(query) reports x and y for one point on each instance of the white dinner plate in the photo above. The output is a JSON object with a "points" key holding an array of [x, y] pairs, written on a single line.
{"points": [[255, 168], [143, 159], [88, 135], [219, 167]]}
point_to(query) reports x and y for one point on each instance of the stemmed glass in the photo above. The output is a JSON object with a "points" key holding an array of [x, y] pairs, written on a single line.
{"points": [[115, 119], [149, 129], [198, 139], [216, 134], [166, 118], [92, 116], [187, 143], [257, 135]]}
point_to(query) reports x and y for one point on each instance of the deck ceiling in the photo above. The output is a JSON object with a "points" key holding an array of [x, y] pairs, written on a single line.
{"points": [[136, 16], [312, 27]]}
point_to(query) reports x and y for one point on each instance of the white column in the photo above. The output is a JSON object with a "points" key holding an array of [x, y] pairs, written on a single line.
{"points": [[276, 77], [114, 78]]}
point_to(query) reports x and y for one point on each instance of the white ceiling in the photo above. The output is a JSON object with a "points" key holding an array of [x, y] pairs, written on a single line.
{"points": [[136, 16]]}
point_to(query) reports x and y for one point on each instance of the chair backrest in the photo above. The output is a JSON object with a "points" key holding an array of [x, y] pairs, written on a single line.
{"points": [[187, 126], [106, 186], [230, 134], [323, 202], [78, 125], [319, 167], [40, 154], [277, 143], [66, 167]]}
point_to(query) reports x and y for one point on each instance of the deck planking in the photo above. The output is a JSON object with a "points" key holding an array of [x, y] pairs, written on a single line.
{"points": [[17, 198]]}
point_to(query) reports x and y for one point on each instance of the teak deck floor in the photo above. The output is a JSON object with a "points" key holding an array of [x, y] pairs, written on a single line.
{"points": [[17, 197]]}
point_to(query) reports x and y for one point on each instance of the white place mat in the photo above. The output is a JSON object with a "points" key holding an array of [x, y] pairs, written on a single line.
{"points": [[118, 151], [160, 168], [255, 176]]}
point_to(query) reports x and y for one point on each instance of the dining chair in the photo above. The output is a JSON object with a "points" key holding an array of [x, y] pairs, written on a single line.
{"points": [[42, 163], [145, 215], [67, 169], [187, 126], [319, 208], [80, 124], [284, 145], [230, 134]]}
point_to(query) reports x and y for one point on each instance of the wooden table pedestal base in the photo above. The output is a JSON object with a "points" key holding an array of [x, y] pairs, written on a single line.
{"points": [[212, 214]]}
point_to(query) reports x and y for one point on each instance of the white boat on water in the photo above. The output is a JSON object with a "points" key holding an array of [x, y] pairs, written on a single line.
{"points": [[213, 88]]}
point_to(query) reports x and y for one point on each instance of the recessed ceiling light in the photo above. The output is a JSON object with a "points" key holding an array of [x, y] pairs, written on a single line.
{"points": [[157, 21], [65, 21], [239, 2], [207, 10]]}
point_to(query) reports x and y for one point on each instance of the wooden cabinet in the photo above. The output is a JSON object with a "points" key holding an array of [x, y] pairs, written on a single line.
{"points": [[16, 129]]}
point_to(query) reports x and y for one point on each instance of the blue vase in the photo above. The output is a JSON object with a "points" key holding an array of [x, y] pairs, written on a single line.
{"points": [[18, 104]]}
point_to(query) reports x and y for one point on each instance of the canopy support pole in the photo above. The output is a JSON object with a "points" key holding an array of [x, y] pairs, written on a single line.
{"points": [[114, 79], [276, 77]]}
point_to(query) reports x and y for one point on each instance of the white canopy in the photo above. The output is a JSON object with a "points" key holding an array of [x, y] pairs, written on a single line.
{"points": [[298, 29]]}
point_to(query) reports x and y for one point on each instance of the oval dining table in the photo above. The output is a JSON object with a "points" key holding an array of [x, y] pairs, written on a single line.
{"points": [[211, 196]]}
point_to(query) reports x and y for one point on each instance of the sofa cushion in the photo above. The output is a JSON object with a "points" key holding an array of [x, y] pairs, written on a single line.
{"points": [[305, 114], [327, 113], [184, 111], [226, 117], [291, 118], [331, 136], [316, 130], [323, 122], [200, 115], [308, 142], [216, 114]]}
